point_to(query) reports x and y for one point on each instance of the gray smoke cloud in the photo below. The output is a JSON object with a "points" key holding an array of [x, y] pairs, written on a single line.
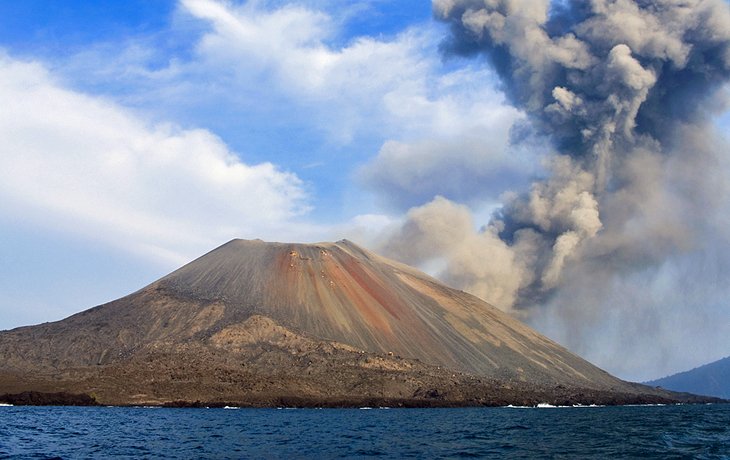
{"points": [[626, 91]]}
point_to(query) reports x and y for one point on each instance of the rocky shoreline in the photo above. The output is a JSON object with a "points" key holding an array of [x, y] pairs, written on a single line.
{"points": [[39, 398], [522, 399]]}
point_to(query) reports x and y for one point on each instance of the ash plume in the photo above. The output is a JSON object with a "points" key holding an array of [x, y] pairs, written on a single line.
{"points": [[626, 91]]}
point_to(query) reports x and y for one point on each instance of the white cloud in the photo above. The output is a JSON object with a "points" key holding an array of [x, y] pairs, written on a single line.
{"points": [[442, 131], [85, 165], [473, 168], [396, 87], [285, 51], [284, 66]]}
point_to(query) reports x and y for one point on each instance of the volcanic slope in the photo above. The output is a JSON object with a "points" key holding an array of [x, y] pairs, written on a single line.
{"points": [[261, 320]]}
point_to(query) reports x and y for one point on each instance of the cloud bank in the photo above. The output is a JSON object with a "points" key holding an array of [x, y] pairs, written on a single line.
{"points": [[85, 165]]}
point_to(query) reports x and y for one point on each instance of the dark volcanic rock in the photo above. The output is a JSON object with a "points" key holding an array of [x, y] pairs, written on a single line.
{"points": [[35, 398], [269, 324]]}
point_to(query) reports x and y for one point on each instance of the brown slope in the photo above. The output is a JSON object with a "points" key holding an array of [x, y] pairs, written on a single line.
{"points": [[343, 293], [332, 292]]}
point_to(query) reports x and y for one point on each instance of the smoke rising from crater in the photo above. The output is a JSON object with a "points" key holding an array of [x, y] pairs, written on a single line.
{"points": [[626, 91]]}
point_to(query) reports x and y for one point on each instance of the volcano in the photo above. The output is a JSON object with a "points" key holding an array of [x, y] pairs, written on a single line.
{"points": [[256, 323]]}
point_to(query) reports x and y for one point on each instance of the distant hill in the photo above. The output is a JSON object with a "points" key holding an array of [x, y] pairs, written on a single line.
{"points": [[711, 380]]}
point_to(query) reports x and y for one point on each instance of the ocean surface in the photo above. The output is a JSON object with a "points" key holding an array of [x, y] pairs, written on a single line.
{"points": [[583, 432]]}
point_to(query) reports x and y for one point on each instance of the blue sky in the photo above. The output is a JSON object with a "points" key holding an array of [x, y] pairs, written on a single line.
{"points": [[140, 134]]}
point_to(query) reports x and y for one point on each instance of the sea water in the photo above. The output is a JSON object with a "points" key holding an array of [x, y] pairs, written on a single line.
{"points": [[691, 431]]}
